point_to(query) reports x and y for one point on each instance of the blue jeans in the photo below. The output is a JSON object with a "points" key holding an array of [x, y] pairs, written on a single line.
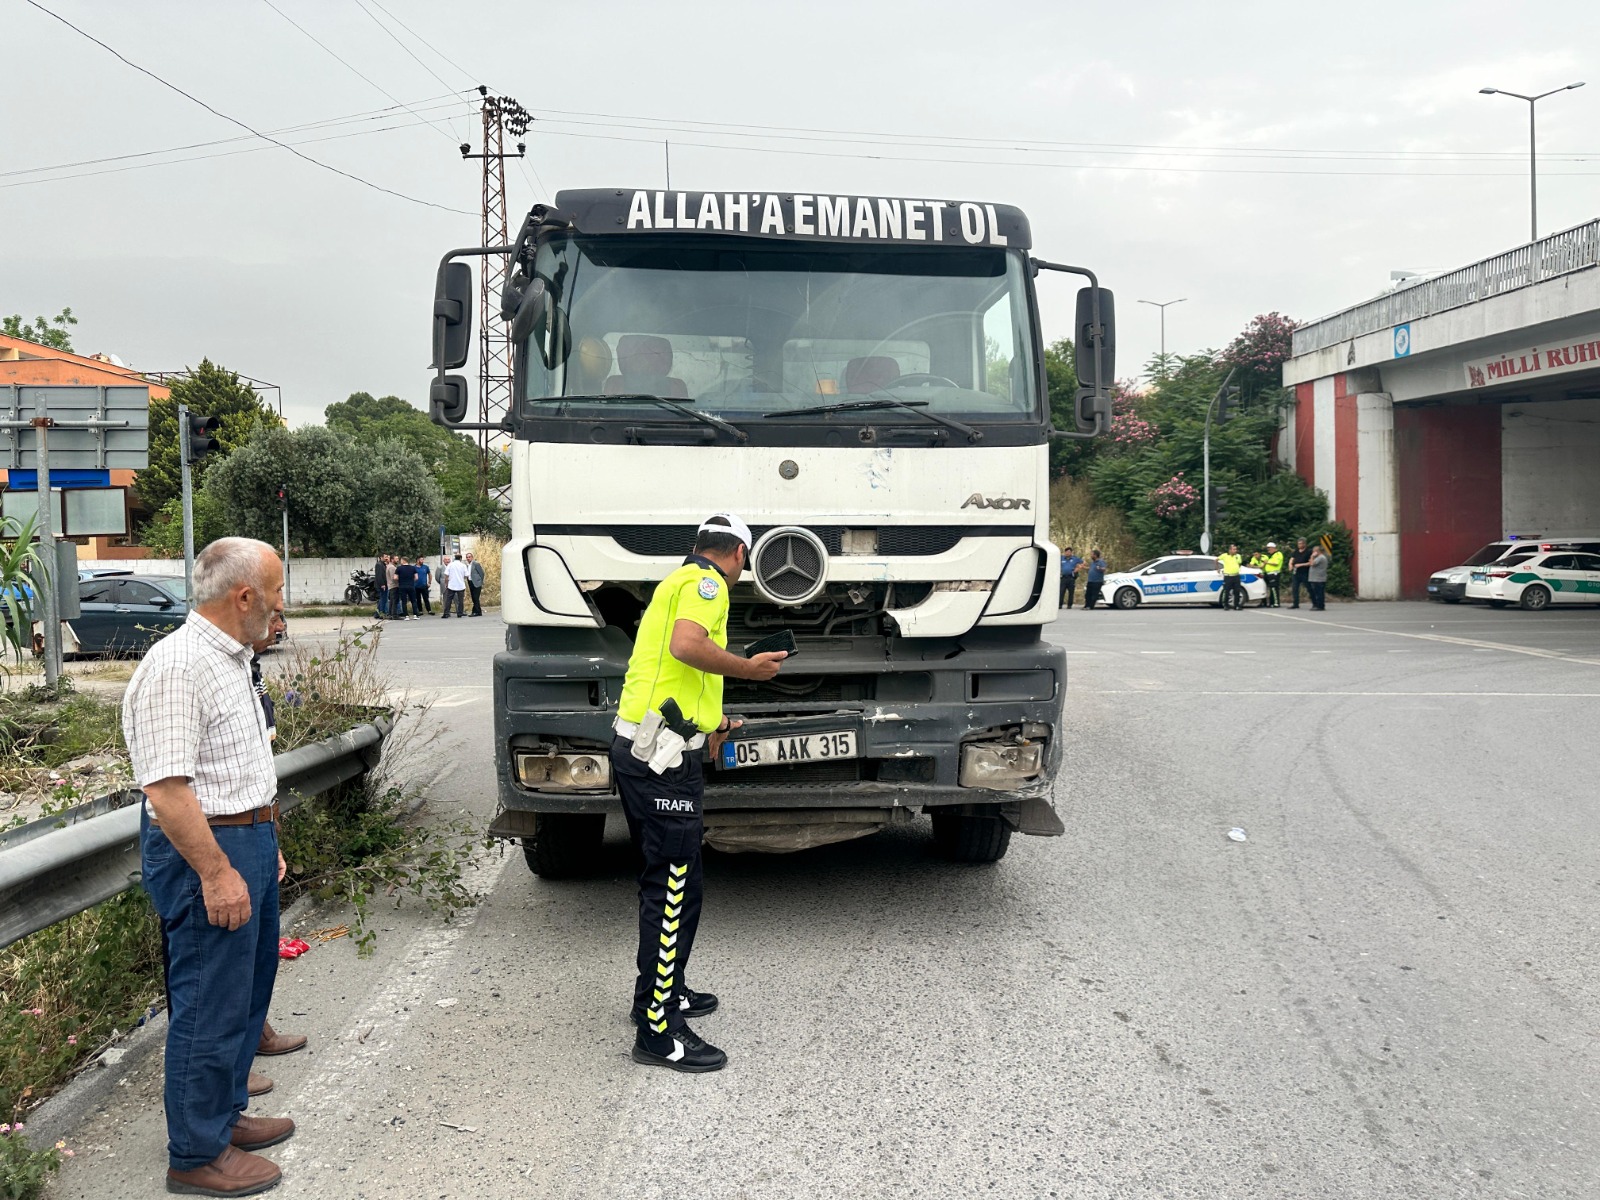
{"points": [[218, 985], [383, 601]]}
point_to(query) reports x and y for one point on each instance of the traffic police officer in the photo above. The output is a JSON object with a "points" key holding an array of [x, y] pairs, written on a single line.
{"points": [[671, 709], [1271, 569], [1232, 586]]}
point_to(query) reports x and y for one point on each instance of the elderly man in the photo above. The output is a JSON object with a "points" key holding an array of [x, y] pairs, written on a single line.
{"points": [[475, 583], [199, 745]]}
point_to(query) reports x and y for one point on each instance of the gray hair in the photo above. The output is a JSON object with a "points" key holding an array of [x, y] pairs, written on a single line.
{"points": [[225, 564]]}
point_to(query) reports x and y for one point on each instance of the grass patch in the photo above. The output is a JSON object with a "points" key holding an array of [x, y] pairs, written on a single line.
{"points": [[332, 610], [1077, 521], [488, 551]]}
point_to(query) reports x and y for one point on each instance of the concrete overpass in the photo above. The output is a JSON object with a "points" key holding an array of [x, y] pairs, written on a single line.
{"points": [[1456, 410]]}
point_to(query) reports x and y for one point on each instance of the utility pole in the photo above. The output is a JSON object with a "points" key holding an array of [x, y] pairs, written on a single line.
{"points": [[501, 115], [45, 592], [1162, 305], [188, 503], [1533, 162], [283, 503], [194, 442], [1205, 534]]}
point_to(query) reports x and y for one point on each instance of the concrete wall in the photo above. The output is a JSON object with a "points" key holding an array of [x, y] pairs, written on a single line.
{"points": [[311, 580], [1448, 473], [1550, 467]]}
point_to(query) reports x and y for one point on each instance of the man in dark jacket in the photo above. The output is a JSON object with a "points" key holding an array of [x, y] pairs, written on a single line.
{"points": [[1300, 564], [380, 579], [406, 596]]}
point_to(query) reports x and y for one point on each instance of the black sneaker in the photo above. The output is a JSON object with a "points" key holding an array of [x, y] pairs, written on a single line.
{"points": [[681, 1049], [696, 1004]]}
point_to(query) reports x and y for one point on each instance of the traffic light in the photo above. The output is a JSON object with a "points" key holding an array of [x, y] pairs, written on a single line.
{"points": [[201, 443], [1219, 502], [1228, 405], [283, 496]]}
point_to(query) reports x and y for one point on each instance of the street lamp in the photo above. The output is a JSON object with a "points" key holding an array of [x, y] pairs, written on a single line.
{"points": [[1533, 174], [1162, 305]]}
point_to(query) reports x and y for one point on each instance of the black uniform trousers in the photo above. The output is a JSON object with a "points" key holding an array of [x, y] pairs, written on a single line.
{"points": [[1232, 592], [666, 818], [1271, 598]]}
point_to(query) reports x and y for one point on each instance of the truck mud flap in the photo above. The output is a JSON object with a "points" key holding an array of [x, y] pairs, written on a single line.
{"points": [[1035, 816]]}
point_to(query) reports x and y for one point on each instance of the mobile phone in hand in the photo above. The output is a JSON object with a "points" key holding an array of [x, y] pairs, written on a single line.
{"points": [[782, 640]]}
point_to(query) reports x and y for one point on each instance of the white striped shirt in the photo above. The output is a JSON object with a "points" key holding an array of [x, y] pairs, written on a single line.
{"points": [[191, 712]]}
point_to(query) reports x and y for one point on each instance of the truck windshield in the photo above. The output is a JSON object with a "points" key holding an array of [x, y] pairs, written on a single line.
{"points": [[748, 329]]}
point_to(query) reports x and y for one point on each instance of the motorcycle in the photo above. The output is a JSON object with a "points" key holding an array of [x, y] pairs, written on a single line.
{"points": [[362, 587]]}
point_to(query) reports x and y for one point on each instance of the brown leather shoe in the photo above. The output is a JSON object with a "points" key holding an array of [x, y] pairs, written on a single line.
{"points": [[231, 1173], [273, 1042], [259, 1084], [257, 1133]]}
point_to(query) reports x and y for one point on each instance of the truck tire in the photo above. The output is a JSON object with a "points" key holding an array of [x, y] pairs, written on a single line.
{"points": [[968, 838], [564, 845]]}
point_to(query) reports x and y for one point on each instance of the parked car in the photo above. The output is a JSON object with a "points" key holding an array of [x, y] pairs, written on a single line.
{"points": [[1453, 584], [126, 614], [1178, 579], [1540, 580]]}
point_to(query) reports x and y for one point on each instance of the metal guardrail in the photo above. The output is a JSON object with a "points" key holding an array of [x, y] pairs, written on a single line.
{"points": [[59, 865], [1559, 254]]}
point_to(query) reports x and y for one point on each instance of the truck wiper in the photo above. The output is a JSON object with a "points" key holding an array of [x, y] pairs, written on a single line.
{"points": [[703, 417], [882, 401]]}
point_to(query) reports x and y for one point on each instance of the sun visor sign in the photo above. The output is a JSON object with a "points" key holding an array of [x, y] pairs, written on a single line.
{"points": [[799, 216]]}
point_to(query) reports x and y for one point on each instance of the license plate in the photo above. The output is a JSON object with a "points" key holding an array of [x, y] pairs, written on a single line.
{"points": [[1433, 587], [785, 751]]}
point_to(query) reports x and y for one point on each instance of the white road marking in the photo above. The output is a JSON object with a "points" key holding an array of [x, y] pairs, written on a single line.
{"points": [[325, 1093], [1158, 652], [1476, 643], [1238, 651]]}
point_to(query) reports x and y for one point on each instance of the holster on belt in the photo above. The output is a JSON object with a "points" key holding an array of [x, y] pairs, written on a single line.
{"points": [[674, 734], [644, 738]]}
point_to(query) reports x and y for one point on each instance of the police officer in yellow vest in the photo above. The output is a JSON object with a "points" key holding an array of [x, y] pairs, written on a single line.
{"points": [[671, 709], [1232, 586], [1271, 570]]}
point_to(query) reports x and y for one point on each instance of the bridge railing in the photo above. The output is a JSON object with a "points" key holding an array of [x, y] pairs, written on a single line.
{"points": [[1559, 254]]}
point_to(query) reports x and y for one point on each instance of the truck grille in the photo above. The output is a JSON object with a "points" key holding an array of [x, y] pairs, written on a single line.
{"points": [[894, 541], [800, 773], [807, 689]]}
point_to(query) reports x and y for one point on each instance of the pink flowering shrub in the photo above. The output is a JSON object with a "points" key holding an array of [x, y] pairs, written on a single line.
{"points": [[1174, 497], [1262, 348]]}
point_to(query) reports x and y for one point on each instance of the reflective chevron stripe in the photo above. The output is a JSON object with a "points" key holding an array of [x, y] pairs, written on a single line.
{"points": [[666, 971]]}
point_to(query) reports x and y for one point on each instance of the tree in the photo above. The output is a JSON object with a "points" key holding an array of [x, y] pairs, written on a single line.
{"points": [[345, 498], [211, 391], [163, 533], [451, 458], [52, 333]]}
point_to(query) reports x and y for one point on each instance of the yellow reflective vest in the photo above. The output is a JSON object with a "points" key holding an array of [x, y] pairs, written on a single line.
{"points": [[1230, 563], [1272, 564]]}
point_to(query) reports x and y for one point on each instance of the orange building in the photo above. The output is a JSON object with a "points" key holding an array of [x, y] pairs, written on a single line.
{"points": [[29, 364]]}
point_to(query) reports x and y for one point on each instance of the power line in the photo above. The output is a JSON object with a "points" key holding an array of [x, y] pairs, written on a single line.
{"points": [[173, 162], [466, 74], [443, 132], [792, 132], [235, 121], [542, 128], [398, 42], [375, 114]]}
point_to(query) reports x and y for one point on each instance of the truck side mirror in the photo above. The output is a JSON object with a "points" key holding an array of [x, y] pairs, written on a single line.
{"points": [[1096, 372], [452, 316], [447, 400]]}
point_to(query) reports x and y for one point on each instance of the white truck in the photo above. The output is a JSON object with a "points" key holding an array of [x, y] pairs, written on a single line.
{"points": [[861, 379]]}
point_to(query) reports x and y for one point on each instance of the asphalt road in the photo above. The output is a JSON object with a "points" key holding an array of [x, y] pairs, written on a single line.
{"points": [[1391, 989]]}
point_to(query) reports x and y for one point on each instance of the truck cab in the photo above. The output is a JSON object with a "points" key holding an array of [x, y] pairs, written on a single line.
{"points": [[861, 379]]}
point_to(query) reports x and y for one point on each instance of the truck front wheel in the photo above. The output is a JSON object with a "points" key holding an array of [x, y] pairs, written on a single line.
{"points": [[564, 845], [970, 838]]}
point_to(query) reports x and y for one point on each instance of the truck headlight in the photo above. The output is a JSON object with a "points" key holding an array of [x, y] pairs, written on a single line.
{"points": [[1000, 766], [564, 772]]}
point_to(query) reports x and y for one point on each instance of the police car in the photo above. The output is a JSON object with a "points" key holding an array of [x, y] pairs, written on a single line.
{"points": [[1539, 580], [1178, 579]]}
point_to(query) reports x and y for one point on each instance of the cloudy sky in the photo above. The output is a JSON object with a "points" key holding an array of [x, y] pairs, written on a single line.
{"points": [[1245, 156]]}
